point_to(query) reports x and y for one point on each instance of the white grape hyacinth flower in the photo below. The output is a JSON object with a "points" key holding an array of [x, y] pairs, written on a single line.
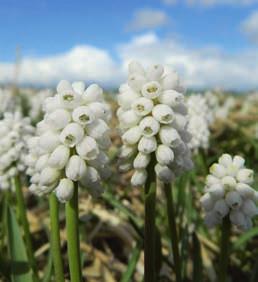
{"points": [[71, 142], [153, 119], [15, 130], [228, 193], [200, 118]]}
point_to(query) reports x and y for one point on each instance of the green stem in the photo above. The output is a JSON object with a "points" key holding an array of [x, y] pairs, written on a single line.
{"points": [[224, 250], [25, 224], [55, 238], [150, 230], [173, 230], [72, 227]]}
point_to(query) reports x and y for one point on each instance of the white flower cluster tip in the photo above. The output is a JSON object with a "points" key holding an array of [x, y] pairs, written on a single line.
{"points": [[14, 132], [200, 118], [228, 192], [153, 118], [71, 142]]}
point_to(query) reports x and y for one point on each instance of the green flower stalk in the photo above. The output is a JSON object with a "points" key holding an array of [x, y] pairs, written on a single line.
{"points": [[55, 238]]}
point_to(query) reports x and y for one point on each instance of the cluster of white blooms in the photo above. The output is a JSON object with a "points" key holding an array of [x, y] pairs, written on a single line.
{"points": [[228, 192], [14, 131], [36, 101], [153, 120], [71, 142], [200, 118]]}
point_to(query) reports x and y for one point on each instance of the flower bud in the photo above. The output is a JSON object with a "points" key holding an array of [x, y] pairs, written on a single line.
{"points": [[59, 157], [147, 145], [49, 176], [139, 177], [218, 170], [238, 161], [245, 190], [211, 179], [154, 72], [225, 160], [64, 190], [42, 162], [129, 119], [132, 135], [164, 173], [88, 148], [99, 110], [58, 118], [163, 114], [92, 94], [221, 208], [216, 191], [171, 98], [169, 136], [141, 161], [149, 126], [249, 208], [151, 90], [83, 115], [164, 155], [238, 218], [49, 141], [233, 199], [136, 81], [170, 81], [91, 176], [127, 98], [228, 182], [75, 168], [127, 151], [72, 134], [245, 175], [142, 106], [68, 97], [97, 129], [207, 202]]}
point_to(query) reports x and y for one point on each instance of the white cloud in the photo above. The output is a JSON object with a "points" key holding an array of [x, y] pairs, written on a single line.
{"points": [[213, 2], [250, 26], [81, 63], [202, 67], [147, 19]]}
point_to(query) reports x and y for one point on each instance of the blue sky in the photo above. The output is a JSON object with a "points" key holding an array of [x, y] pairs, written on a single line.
{"points": [[47, 28]]}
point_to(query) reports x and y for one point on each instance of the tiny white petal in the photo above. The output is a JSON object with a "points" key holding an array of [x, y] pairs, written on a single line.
{"points": [[149, 126], [139, 177], [75, 168], [72, 134], [147, 145], [151, 89], [64, 190]]}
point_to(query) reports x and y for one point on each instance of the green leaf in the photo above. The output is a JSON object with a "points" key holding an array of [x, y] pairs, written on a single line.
{"points": [[128, 274], [20, 269], [242, 240], [197, 260]]}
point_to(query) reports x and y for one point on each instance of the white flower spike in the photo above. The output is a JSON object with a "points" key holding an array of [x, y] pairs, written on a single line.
{"points": [[13, 147], [71, 142], [228, 193], [153, 119]]}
